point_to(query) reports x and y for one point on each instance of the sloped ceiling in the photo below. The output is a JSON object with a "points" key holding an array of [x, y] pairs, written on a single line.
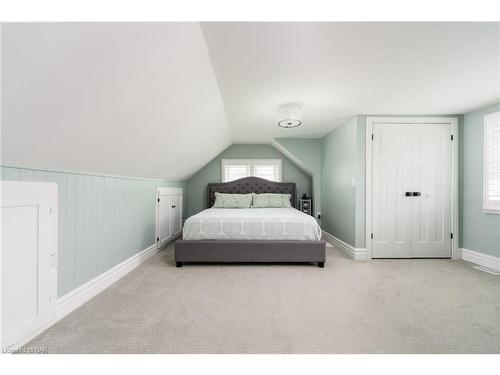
{"points": [[131, 99], [162, 99], [337, 70]]}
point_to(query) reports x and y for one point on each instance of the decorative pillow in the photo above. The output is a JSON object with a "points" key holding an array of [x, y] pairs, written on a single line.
{"points": [[268, 200], [223, 200]]}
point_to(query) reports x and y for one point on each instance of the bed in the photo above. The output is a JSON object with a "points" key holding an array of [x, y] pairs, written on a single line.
{"points": [[262, 235]]}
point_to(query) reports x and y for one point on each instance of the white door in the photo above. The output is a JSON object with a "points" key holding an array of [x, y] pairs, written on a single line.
{"points": [[431, 210], [29, 259], [411, 190], [392, 150], [176, 214], [164, 217]]}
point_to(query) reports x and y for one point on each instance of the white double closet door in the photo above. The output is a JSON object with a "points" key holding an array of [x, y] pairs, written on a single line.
{"points": [[412, 191]]}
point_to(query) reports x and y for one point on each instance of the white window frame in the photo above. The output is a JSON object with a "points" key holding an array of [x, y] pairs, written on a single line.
{"points": [[252, 163], [490, 207]]}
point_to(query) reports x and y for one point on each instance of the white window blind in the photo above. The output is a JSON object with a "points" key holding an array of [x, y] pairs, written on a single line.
{"points": [[491, 193], [268, 169], [233, 169]]}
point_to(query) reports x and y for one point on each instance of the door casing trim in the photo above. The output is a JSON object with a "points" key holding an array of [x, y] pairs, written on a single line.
{"points": [[453, 121]]}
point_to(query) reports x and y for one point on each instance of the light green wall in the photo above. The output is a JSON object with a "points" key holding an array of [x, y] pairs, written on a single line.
{"points": [[306, 152], [360, 181], [102, 220], [196, 186], [339, 150], [480, 231], [461, 181]]}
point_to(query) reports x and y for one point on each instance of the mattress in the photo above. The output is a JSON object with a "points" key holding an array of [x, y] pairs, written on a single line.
{"points": [[251, 224]]}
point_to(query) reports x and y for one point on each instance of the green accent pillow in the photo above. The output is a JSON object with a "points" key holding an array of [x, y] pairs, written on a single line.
{"points": [[270, 200], [223, 200]]}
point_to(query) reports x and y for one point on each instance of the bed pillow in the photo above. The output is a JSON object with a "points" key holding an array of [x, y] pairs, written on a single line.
{"points": [[223, 200], [270, 200]]}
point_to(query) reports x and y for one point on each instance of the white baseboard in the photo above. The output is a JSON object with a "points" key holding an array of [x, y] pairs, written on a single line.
{"points": [[481, 259], [351, 251], [77, 297]]}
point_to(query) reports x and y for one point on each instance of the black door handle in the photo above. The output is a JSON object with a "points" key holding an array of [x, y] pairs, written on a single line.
{"points": [[413, 194], [173, 206]]}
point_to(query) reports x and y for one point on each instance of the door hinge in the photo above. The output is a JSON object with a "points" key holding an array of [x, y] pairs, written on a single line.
{"points": [[157, 239], [372, 137], [371, 236], [451, 235], [452, 137]]}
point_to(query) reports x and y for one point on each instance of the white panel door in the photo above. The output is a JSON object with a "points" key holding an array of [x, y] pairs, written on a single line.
{"points": [[392, 150], [431, 207], [411, 191], [176, 214], [29, 259], [164, 217]]}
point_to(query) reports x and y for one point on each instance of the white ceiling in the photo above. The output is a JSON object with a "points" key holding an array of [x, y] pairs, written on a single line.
{"points": [[151, 100], [125, 99], [337, 70]]}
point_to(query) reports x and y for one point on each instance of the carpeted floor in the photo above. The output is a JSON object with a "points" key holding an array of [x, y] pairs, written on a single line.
{"points": [[380, 306]]}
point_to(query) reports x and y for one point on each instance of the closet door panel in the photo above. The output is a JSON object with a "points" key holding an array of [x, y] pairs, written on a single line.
{"points": [[431, 210], [164, 220], [392, 149], [176, 214]]}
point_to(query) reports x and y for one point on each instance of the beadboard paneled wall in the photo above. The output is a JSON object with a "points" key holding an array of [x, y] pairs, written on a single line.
{"points": [[102, 220]]}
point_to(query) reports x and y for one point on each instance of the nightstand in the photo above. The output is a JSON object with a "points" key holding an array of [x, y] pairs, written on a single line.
{"points": [[306, 205]]}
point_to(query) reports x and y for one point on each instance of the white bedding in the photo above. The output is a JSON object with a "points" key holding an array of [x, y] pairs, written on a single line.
{"points": [[251, 224]]}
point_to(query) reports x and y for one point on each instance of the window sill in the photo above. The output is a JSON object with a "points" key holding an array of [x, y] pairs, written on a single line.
{"points": [[491, 211]]}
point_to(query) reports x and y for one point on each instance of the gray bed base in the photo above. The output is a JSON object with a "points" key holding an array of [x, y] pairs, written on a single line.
{"points": [[249, 251]]}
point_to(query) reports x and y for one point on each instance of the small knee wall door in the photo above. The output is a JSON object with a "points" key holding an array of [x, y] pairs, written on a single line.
{"points": [[168, 215], [29, 260], [411, 203]]}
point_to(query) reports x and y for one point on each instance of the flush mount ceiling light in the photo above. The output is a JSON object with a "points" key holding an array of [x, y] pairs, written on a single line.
{"points": [[289, 116]]}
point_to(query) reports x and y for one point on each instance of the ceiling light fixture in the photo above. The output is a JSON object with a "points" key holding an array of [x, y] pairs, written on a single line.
{"points": [[289, 116]]}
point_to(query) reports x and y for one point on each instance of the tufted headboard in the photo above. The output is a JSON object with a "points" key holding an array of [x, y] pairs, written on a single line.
{"points": [[251, 185]]}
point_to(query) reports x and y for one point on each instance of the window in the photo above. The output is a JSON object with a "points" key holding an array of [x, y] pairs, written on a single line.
{"points": [[491, 193], [233, 169]]}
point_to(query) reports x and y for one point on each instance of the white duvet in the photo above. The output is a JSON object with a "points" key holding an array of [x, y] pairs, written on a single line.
{"points": [[251, 224]]}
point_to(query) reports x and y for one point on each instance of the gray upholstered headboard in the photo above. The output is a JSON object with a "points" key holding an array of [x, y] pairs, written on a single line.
{"points": [[251, 185]]}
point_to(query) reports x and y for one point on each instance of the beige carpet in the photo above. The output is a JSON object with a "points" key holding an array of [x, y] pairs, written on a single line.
{"points": [[381, 306]]}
